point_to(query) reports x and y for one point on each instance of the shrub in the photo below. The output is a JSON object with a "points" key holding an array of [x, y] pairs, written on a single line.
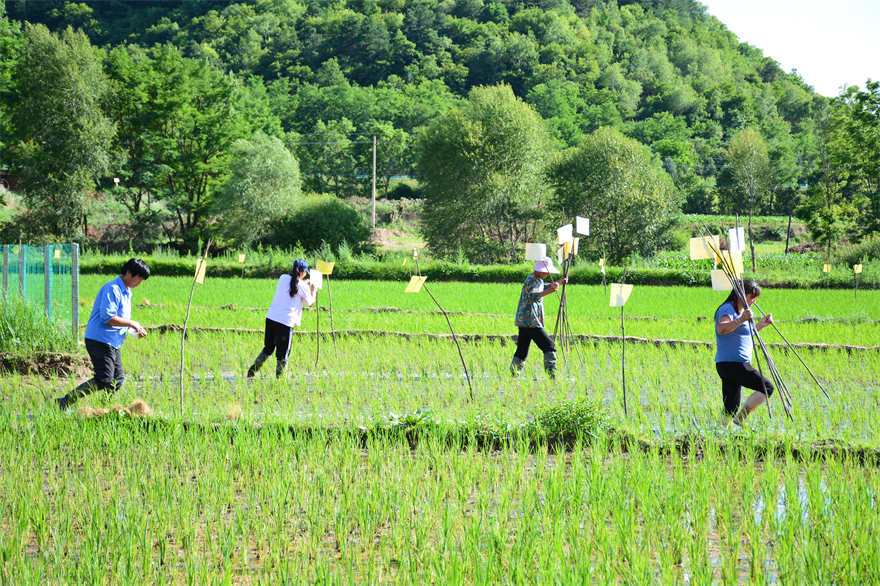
{"points": [[867, 250], [322, 219], [404, 191]]}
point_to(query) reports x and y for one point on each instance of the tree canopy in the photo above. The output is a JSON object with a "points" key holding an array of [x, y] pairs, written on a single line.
{"points": [[611, 179], [188, 79], [481, 170]]}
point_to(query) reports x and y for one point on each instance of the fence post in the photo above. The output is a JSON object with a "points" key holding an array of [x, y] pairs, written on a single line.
{"points": [[5, 272], [74, 288], [22, 251], [47, 280]]}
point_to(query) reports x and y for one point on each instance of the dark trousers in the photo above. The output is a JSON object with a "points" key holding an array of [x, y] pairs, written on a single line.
{"points": [[277, 340], [735, 376], [107, 363], [525, 338]]}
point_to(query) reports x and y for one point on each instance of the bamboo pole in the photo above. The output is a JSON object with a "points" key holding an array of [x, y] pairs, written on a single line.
{"points": [[796, 354], [454, 337], [186, 322], [317, 321], [332, 328]]}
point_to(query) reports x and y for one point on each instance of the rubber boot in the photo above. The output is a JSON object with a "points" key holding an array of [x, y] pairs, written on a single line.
{"points": [[550, 363], [76, 394], [279, 368], [516, 366], [261, 358]]}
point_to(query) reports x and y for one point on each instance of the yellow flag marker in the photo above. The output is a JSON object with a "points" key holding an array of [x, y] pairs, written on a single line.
{"points": [[826, 268], [704, 247], [325, 267], [201, 268], [241, 258], [601, 262], [415, 284], [734, 258], [577, 242], [404, 262], [857, 268], [560, 254], [720, 282], [619, 294], [14, 250], [57, 254], [415, 254]]}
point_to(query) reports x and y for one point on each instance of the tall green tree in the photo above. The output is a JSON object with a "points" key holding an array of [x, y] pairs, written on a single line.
{"points": [[10, 46], [861, 126], [64, 139], [181, 117], [263, 187], [831, 212], [481, 168], [611, 179], [751, 170]]}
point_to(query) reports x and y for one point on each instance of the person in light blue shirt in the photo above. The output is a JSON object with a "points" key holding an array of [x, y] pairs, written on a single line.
{"points": [[733, 337], [109, 323]]}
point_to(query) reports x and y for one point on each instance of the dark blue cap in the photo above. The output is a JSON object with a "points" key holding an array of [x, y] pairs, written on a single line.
{"points": [[299, 265]]}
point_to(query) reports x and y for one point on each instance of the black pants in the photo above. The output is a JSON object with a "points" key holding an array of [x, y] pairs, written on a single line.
{"points": [[735, 376], [277, 340], [107, 363], [526, 335]]}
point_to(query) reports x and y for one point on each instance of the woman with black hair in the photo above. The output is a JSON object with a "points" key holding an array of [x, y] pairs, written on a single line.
{"points": [[285, 313], [733, 357]]}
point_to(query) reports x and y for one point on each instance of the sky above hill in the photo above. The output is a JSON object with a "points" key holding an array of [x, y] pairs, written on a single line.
{"points": [[830, 42]]}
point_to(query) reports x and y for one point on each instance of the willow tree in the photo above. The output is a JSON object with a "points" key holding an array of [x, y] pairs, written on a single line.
{"points": [[611, 179], [750, 167], [481, 168]]}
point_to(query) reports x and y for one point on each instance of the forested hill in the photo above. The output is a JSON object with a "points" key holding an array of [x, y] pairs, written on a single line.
{"points": [[663, 71]]}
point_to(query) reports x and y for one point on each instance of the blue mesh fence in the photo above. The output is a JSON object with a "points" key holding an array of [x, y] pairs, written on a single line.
{"points": [[46, 277]]}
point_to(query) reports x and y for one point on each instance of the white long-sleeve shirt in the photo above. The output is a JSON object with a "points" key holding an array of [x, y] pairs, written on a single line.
{"points": [[288, 310]]}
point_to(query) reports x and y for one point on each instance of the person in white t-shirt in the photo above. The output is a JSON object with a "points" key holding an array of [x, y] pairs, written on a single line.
{"points": [[285, 313]]}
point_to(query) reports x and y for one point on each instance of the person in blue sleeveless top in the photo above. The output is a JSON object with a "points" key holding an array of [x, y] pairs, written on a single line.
{"points": [[530, 317], [108, 325], [733, 357]]}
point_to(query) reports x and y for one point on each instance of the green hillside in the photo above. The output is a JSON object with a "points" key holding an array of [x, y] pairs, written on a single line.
{"points": [[325, 77]]}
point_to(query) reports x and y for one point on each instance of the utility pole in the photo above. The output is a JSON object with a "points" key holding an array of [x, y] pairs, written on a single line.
{"points": [[373, 222]]}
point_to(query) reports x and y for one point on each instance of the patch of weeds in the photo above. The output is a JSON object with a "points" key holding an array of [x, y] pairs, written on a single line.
{"points": [[583, 416], [417, 420]]}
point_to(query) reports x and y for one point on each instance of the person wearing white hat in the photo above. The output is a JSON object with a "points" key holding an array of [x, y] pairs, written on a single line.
{"points": [[530, 317]]}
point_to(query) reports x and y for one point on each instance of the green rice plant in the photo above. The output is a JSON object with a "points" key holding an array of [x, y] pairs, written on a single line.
{"points": [[25, 329]]}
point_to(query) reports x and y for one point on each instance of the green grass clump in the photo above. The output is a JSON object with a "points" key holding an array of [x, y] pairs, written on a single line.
{"points": [[25, 329], [583, 415]]}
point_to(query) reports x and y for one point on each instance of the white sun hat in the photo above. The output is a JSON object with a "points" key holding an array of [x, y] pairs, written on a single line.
{"points": [[545, 265]]}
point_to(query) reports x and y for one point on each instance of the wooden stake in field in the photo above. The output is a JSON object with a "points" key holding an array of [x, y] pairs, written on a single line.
{"points": [[317, 321], [619, 296], [241, 262], [201, 268], [415, 285], [826, 268]]}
